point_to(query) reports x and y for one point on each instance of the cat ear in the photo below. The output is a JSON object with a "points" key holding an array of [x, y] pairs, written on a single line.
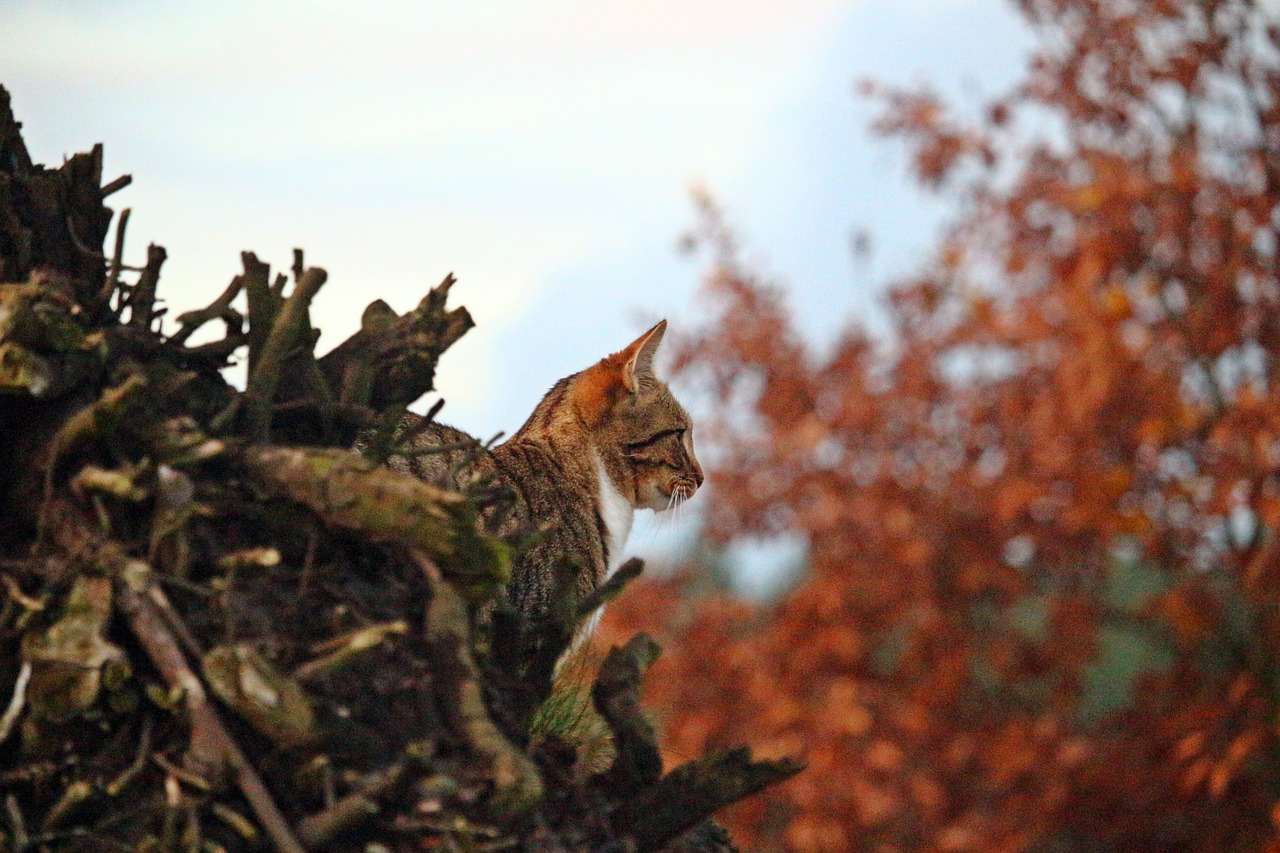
{"points": [[637, 358], [598, 388]]}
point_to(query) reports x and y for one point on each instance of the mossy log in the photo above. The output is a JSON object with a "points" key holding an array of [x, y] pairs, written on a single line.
{"points": [[352, 494], [223, 630]]}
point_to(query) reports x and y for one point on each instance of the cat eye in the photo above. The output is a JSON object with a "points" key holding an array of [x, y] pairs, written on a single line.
{"points": [[636, 446]]}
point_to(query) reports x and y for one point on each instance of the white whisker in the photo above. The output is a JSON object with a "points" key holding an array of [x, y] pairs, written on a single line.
{"points": [[661, 519], [655, 527]]}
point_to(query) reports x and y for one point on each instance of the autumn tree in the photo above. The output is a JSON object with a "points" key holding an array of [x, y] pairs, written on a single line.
{"points": [[1042, 514]]}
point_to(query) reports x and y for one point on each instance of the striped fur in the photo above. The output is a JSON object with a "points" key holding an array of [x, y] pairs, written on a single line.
{"points": [[615, 417]]}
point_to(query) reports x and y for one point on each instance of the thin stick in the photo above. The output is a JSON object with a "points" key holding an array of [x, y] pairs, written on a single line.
{"points": [[16, 821], [207, 732], [142, 304], [219, 308], [610, 589], [116, 785], [116, 185], [15, 705], [358, 806], [117, 259], [80, 246]]}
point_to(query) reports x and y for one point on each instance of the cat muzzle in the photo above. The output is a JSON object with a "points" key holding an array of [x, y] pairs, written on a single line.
{"points": [[684, 487]]}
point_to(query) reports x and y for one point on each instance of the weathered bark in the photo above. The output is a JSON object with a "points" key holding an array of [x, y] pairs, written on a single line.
{"points": [[391, 361], [655, 810], [616, 694], [692, 792]]}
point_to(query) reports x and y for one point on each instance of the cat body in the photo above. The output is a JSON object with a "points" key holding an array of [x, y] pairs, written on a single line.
{"points": [[601, 444]]}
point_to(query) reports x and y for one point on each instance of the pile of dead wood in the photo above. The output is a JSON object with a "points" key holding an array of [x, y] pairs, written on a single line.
{"points": [[222, 630]]}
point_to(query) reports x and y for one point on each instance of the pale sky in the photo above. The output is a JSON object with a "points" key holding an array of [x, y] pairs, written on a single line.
{"points": [[543, 152]]}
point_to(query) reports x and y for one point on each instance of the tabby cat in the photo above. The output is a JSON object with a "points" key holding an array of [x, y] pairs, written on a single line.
{"points": [[601, 444]]}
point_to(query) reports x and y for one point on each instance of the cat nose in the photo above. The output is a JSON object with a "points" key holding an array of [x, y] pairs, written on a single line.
{"points": [[697, 475]]}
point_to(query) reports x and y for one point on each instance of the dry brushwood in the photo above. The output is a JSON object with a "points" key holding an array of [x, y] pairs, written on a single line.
{"points": [[222, 630]]}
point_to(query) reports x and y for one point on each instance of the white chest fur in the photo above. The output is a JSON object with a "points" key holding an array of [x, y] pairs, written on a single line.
{"points": [[617, 513]]}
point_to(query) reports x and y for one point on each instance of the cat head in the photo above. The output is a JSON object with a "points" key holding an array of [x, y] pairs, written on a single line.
{"points": [[643, 435]]}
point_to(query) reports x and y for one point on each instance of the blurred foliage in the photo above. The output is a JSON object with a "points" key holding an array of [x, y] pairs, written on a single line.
{"points": [[1040, 611]]}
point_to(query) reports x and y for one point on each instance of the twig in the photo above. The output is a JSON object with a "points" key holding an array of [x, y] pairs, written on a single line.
{"points": [[211, 743], [338, 651], [219, 309], [284, 335], [263, 305], [116, 185], [16, 822], [217, 351], [211, 746], [116, 785], [611, 588], [143, 299], [360, 805], [174, 622], [391, 360], [117, 261], [421, 425], [15, 704], [76, 795], [195, 780], [394, 431], [80, 246], [224, 419]]}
